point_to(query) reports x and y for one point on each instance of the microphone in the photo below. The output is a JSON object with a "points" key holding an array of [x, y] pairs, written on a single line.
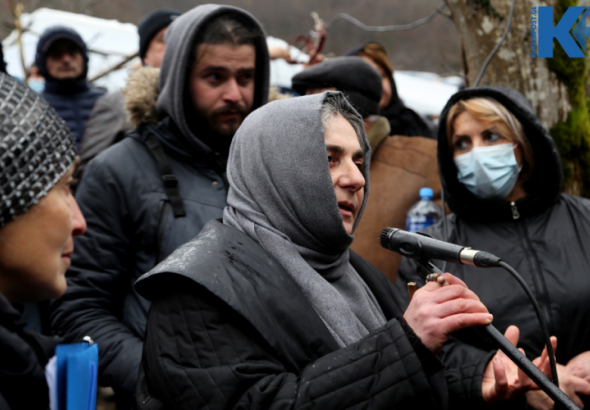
{"points": [[421, 246]]}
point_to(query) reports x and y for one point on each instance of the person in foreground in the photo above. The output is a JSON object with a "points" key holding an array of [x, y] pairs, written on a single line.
{"points": [[503, 178], [38, 219], [270, 308]]}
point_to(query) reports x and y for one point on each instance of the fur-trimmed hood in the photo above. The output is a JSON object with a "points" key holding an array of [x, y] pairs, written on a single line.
{"points": [[141, 94]]}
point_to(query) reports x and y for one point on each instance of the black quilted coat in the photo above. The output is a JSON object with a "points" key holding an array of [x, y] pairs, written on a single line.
{"points": [[229, 329]]}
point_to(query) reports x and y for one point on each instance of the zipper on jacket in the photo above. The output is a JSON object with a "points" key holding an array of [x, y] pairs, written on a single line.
{"points": [[515, 213], [540, 289]]}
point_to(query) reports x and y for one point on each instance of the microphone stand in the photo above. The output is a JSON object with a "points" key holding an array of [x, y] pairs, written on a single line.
{"points": [[559, 397]]}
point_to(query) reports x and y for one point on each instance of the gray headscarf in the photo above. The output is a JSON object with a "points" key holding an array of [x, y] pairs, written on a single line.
{"points": [[281, 195], [36, 148]]}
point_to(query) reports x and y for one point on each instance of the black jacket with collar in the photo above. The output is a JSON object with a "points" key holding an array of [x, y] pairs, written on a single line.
{"points": [[228, 328], [23, 356], [131, 227], [544, 236]]}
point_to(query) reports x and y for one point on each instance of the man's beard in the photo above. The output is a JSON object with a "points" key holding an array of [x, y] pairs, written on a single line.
{"points": [[215, 133], [227, 128]]}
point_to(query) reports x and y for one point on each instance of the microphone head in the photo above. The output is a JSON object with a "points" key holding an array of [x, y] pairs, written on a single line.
{"points": [[384, 237]]}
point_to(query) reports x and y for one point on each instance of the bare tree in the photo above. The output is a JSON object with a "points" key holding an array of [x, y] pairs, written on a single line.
{"points": [[555, 87]]}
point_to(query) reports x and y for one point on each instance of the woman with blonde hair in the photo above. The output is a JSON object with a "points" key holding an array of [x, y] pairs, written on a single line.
{"points": [[502, 177]]}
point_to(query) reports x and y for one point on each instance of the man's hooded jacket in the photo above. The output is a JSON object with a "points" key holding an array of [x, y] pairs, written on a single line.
{"points": [[72, 99], [544, 236], [131, 221]]}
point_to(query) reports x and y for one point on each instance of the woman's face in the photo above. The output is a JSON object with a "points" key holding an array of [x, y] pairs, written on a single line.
{"points": [[346, 160], [36, 247], [386, 97], [470, 133]]}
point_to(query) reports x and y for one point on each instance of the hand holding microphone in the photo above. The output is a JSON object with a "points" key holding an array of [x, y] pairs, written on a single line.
{"points": [[468, 309], [436, 311]]}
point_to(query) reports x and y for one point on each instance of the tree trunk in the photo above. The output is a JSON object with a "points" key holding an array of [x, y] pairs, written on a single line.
{"points": [[554, 87]]}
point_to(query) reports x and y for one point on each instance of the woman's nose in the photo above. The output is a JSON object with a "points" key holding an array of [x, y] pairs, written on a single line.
{"points": [[353, 177], [78, 220]]}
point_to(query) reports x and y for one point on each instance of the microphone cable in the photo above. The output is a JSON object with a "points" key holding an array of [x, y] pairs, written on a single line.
{"points": [[444, 220], [540, 317]]}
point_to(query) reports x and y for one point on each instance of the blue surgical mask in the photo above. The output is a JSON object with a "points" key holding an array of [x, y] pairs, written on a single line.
{"points": [[37, 85], [488, 172]]}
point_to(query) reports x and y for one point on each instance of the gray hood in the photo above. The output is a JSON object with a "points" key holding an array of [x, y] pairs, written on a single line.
{"points": [[282, 196], [180, 39]]}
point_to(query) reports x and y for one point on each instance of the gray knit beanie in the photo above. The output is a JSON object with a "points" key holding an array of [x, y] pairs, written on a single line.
{"points": [[36, 148]]}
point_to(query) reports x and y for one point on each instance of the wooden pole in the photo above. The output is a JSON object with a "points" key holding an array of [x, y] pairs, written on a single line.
{"points": [[115, 67], [17, 10]]}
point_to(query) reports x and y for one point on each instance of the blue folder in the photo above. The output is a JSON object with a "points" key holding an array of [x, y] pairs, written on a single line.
{"points": [[77, 372]]}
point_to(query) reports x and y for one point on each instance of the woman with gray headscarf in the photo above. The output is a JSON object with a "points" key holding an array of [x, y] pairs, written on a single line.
{"points": [[38, 219], [270, 308]]}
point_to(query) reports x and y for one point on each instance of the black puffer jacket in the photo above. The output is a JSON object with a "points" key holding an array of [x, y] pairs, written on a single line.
{"points": [[23, 356], [544, 236], [229, 328], [131, 225]]}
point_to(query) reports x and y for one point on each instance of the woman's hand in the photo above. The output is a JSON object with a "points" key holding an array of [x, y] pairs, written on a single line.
{"points": [[437, 311], [580, 366], [502, 379], [572, 384]]}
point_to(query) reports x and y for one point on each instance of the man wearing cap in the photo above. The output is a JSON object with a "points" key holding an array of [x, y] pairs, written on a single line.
{"points": [[360, 83], [62, 59], [400, 165], [108, 121]]}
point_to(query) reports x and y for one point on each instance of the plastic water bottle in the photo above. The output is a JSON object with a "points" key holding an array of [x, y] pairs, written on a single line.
{"points": [[423, 213]]}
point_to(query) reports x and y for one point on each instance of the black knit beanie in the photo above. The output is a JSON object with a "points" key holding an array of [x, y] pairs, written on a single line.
{"points": [[353, 76], [36, 148], [151, 24]]}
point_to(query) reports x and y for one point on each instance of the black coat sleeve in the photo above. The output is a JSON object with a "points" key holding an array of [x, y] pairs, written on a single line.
{"points": [[100, 276], [199, 353]]}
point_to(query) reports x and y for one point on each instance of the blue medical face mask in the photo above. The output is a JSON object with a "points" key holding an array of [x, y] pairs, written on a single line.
{"points": [[37, 85], [488, 172]]}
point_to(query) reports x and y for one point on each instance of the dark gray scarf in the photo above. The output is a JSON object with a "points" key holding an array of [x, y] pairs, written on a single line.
{"points": [[281, 195]]}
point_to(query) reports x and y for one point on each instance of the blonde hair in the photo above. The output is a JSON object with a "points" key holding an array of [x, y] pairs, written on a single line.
{"points": [[488, 110]]}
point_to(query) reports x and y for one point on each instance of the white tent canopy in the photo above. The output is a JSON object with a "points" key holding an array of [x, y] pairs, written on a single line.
{"points": [[111, 42]]}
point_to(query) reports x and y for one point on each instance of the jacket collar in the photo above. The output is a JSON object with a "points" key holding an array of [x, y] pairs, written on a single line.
{"points": [[66, 87], [235, 268]]}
